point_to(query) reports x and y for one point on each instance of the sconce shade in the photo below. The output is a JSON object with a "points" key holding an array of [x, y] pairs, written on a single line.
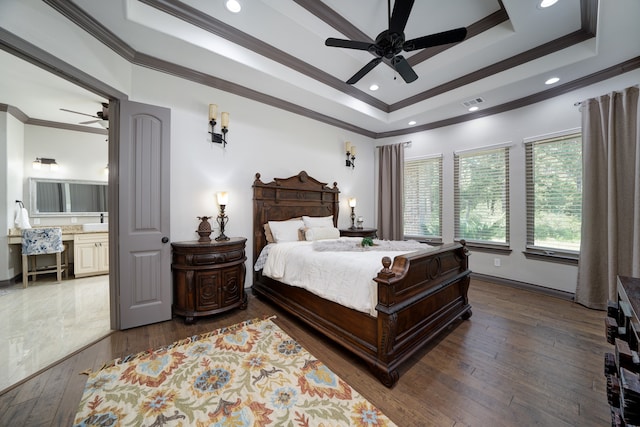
{"points": [[352, 202], [213, 111], [224, 120], [347, 146]]}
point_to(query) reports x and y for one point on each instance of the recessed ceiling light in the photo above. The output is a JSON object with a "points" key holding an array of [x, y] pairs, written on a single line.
{"points": [[547, 3], [552, 80], [374, 87], [474, 108], [412, 122], [233, 6]]}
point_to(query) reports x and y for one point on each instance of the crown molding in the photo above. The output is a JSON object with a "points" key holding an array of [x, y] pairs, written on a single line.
{"points": [[182, 11]]}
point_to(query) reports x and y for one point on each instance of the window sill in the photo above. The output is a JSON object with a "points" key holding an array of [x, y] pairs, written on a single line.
{"points": [[552, 256], [487, 247], [435, 241]]}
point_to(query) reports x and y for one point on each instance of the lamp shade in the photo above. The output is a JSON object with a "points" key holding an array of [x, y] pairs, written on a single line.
{"points": [[352, 202], [223, 197]]}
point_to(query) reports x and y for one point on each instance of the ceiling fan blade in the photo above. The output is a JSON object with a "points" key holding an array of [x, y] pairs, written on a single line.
{"points": [[364, 70], [89, 122], [404, 69], [400, 15], [349, 44], [445, 37], [77, 112]]}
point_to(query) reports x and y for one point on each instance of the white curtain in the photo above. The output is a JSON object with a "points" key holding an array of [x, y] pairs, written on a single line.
{"points": [[610, 240], [391, 187]]}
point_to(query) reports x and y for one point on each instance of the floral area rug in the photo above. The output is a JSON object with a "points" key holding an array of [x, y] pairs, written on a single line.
{"points": [[248, 374]]}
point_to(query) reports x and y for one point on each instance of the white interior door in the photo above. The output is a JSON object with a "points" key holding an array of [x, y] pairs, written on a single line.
{"points": [[144, 260]]}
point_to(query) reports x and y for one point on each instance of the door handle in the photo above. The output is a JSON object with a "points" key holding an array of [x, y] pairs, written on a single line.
{"points": [[165, 239]]}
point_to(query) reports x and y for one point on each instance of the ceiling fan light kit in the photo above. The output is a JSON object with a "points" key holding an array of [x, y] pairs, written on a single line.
{"points": [[391, 42]]}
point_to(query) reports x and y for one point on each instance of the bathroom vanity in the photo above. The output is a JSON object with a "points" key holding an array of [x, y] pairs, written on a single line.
{"points": [[89, 245]]}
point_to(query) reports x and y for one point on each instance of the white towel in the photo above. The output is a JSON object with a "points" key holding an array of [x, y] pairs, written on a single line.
{"points": [[22, 217]]}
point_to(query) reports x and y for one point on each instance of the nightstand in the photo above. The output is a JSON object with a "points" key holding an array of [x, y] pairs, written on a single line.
{"points": [[208, 277], [359, 232]]}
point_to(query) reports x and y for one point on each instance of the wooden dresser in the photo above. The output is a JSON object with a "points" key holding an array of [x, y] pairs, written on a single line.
{"points": [[208, 278], [622, 366]]}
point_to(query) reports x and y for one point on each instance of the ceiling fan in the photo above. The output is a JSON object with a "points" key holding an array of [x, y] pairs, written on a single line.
{"points": [[101, 117], [391, 42]]}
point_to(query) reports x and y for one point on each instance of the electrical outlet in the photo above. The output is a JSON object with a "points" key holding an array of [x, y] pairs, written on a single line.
{"points": [[74, 220], [496, 262], [36, 221]]}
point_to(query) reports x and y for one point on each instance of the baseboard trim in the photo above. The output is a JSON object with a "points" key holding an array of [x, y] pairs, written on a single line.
{"points": [[11, 282], [569, 296]]}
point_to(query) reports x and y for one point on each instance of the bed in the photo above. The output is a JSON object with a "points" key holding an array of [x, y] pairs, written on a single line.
{"points": [[419, 294]]}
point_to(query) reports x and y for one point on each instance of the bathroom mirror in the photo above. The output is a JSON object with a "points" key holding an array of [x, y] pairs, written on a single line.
{"points": [[49, 197]]}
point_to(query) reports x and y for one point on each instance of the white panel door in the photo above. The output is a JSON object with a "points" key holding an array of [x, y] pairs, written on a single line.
{"points": [[145, 293]]}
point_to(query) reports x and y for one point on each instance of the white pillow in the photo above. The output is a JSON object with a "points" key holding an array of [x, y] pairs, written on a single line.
{"points": [[318, 221], [321, 233], [285, 231]]}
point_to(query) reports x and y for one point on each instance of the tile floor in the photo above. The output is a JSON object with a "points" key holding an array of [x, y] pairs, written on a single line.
{"points": [[43, 323]]}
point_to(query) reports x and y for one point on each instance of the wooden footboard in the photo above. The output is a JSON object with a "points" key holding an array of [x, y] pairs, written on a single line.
{"points": [[419, 296]]}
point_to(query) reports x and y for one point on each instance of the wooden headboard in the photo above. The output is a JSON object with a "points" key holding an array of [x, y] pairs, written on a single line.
{"points": [[286, 198]]}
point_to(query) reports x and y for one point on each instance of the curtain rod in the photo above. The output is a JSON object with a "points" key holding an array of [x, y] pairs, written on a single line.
{"points": [[403, 143]]}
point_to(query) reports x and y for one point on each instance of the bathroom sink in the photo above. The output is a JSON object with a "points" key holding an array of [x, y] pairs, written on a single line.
{"points": [[95, 226]]}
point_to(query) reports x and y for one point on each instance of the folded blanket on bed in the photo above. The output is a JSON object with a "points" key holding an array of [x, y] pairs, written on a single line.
{"points": [[355, 245]]}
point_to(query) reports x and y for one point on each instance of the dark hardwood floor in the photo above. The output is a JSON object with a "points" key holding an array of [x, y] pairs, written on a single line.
{"points": [[522, 359]]}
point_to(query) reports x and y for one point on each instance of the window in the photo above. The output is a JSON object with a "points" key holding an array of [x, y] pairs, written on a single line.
{"points": [[422, 197], [481, 196], [554, 193]]}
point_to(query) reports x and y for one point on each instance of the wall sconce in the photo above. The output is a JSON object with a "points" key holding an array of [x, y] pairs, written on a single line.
{"points": [[351, 155], [352, 205], [39, 161], [204, 229], [223, 219], [218, 138]]}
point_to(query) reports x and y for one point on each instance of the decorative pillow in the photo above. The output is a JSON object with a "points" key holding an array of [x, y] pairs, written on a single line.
{"points": [[318, 221], [269, 235], [321, 233], [285, 231]]}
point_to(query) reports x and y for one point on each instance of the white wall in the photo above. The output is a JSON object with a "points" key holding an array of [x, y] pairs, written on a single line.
{"points": [[11, 143], [553, 115], [262, 139], [80, 155]]}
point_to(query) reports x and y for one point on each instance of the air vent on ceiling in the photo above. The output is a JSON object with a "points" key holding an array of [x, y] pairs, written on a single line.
{"points": [[473, 102]]}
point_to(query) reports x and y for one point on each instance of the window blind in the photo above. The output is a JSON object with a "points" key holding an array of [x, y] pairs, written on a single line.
{"points": [[554, 192], [481, 195], [423, 197]]}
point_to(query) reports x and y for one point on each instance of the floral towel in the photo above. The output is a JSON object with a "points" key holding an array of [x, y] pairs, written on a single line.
{"points": [[249, 374]]}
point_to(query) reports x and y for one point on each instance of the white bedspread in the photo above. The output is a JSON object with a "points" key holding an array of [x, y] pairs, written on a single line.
{"points": [[343, 277]]}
